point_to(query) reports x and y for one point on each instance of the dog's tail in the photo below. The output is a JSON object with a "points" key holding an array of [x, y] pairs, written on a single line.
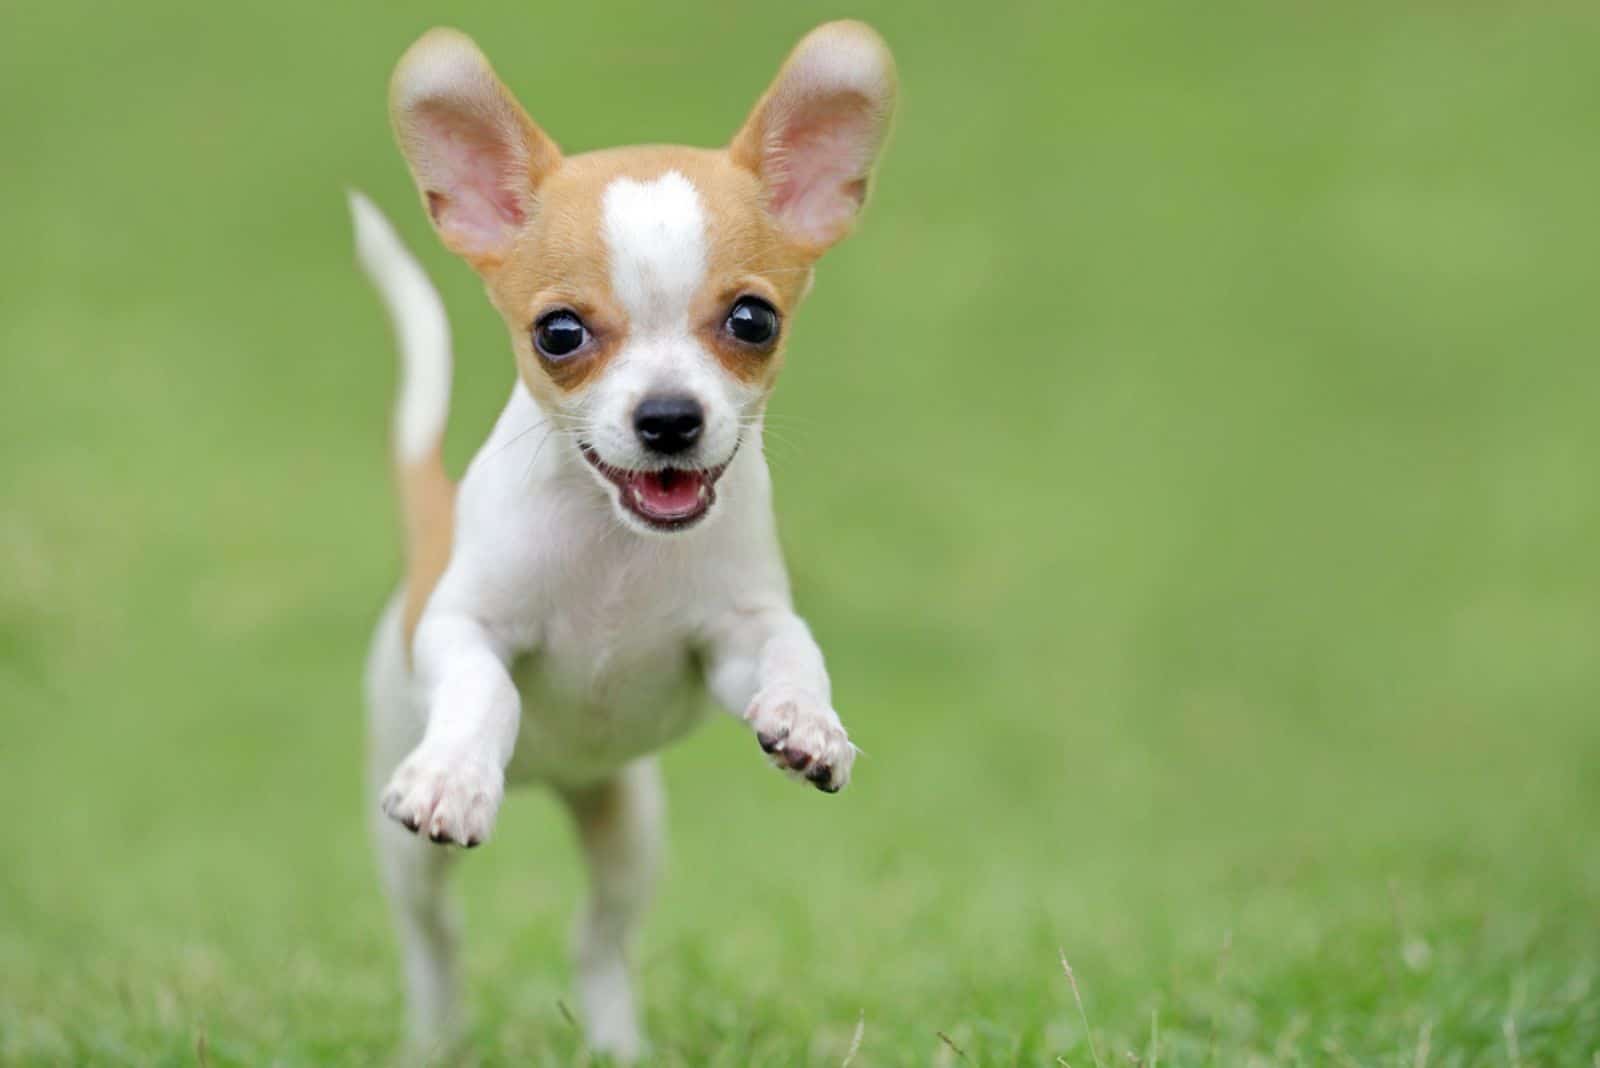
{"points": [[422, 405]]}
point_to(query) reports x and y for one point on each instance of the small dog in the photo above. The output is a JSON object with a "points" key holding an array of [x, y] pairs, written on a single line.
{"points": [[611, 552]]}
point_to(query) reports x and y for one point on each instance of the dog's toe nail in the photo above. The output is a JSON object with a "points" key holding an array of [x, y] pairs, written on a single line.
{"points": [[439, 836], [798, 760], [822, 777], [409, 823], [768, 742], [473, 843]]}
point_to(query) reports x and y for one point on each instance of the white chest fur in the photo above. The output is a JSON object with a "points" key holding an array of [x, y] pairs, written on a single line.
{"points": [[615, 673]]}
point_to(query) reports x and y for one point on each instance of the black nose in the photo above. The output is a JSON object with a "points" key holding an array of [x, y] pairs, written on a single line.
{"points": [[668, 424]]}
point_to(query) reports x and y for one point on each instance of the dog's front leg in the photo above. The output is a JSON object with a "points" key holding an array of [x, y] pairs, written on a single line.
{"points": [[450, 787], [766, 668]]}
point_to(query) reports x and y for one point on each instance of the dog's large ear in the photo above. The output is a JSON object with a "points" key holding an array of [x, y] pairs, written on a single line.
{"points": [[476, 156], [815, 134]]}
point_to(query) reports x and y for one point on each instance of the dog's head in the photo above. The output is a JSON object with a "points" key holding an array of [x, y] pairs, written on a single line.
{"points": [[648, 290]]}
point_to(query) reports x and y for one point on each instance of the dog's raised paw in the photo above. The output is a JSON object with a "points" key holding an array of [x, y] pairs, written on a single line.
{"points": [[447, 799], [801, 735]]}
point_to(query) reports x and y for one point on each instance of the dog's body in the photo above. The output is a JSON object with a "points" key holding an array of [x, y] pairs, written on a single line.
{"points": [[611, 553]]}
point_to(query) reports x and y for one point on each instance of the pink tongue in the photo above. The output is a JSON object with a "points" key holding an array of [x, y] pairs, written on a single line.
{"points": [[667, 493]]}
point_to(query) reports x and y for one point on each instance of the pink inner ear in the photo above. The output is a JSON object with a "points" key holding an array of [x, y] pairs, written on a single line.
{"points": [[474, 196], [819, 161]]}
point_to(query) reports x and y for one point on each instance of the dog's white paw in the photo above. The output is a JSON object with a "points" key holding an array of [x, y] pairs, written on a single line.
{"points": [[446, 797], [803, 736], [614, 1037]]}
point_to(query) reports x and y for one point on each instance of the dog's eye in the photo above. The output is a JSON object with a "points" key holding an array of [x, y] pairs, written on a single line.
{"points": [[559, 334], [753, 321]]}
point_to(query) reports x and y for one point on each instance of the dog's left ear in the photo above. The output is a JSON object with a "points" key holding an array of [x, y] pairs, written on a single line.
{"points": [[814, 136]]}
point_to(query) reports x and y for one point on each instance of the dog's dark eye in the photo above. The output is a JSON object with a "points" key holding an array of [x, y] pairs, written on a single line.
{"points": [[753, 321], [559, 334]]}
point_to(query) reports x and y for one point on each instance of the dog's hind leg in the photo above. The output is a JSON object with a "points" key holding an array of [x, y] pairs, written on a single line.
{"points": [[620, 826], [415, 871]]}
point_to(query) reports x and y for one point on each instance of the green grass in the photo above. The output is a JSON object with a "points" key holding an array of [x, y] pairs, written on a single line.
{"points": [[1190, 470]]}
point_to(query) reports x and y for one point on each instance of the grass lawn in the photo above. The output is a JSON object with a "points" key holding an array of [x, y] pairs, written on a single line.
{"points": [[1192, 470]]}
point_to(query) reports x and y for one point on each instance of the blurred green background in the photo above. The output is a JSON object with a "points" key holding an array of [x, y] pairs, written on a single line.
{"points": [[1190, 469]]}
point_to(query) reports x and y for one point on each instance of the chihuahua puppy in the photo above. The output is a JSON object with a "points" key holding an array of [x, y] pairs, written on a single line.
{"points": [[610, 555]]}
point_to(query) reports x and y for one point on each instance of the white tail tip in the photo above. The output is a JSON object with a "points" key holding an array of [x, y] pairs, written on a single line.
{"points": [[420, 326]]}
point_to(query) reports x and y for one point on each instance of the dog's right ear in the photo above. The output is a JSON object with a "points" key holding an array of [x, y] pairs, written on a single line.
{"points": [[476, 156]]}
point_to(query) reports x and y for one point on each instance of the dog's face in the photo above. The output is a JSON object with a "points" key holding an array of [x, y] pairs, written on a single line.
{"points": [[648, 291]]}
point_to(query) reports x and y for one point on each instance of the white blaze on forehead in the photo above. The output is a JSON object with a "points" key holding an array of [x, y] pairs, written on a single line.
{"points": [[656, 234]]}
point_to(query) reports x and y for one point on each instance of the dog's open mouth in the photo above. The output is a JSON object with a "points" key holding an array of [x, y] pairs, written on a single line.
{"points": [[670, 498]]}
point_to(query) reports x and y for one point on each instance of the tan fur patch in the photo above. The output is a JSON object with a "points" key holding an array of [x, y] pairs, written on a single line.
{"points": [[428, 506]]}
